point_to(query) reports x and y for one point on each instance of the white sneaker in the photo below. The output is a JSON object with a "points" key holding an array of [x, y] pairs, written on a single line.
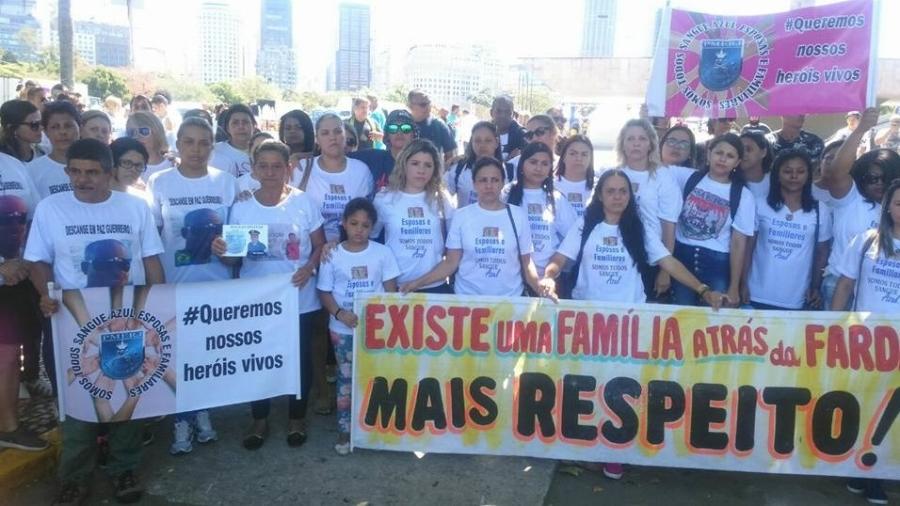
{"points": [[342, 449], [204, 428], [183, 436]]}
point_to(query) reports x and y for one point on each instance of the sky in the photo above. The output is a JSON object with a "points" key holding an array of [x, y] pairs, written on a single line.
{"points": [[548, 29]]}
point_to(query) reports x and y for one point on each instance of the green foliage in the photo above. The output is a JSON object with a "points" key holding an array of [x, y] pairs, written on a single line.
{"points": [[251, 89], [103, 82], [397, 94], [224, 93], [485, 98], [186, 90]]}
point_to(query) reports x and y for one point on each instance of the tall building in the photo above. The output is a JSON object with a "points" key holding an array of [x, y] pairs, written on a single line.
{"points": [[352, 69], [276, 61], [102, 43], [599, 31], [20, 30], [450, 74], [220, 48]]}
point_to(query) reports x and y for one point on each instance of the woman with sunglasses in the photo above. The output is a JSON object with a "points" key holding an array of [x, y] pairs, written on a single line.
{"points": [[856, 188], [656, 193], [232, 155], [484, 143], [20, 130], [678, 147], [190, 203], [129, 162], [60, 120], [489, 243], [414, 212], [399, 131], [540, 128], [147, 129], [295, 244]]}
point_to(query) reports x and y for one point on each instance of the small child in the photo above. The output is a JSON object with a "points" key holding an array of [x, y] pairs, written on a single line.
{"points": [[356, 266]]}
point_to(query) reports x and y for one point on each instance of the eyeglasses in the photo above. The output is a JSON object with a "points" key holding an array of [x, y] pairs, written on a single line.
{"points": [[139, 132], [129, 165], [13, 219], [677, 144], [537, 132], [404, 128], [873, 179], [34, 125]]}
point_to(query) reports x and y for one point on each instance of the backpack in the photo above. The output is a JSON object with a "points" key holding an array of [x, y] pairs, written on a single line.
{"points": [[734, 197]]}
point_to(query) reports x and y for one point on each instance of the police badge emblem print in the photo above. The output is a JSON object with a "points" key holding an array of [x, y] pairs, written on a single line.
{"points": [[121, 353], [721, 62]]}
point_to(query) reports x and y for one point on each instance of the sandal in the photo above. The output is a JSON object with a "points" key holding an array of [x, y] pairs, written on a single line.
{"points": [[296, 435], [255, 437]]}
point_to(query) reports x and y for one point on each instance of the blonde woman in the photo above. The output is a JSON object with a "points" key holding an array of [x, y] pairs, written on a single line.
{"points": [[146, 128], [414, 212]]}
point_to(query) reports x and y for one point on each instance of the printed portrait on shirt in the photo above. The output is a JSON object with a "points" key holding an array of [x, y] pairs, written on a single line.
{"points": [[200, 227], [704, 215], [106, 262], [292, 247], [13, 218]]}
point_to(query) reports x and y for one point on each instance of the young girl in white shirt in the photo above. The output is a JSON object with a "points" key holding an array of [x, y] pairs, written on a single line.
{"points": [[484, 142], [357, 265], [575, 172]]}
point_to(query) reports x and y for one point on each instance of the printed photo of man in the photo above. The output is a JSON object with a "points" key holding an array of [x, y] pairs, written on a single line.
{"points": [[201, 226]]}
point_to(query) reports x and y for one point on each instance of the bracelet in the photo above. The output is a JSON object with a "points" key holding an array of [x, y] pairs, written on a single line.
{"points": [[702, 289], [336, 313]]}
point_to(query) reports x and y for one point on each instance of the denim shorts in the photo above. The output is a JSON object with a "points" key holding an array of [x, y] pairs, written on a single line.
{"points": [[710, 267]]}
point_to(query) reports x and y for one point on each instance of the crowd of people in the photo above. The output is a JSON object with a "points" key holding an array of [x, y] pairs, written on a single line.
{"points": [[750, 218]]}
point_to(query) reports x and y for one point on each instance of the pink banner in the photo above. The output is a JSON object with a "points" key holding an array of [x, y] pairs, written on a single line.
{"points": [[811, 60]]}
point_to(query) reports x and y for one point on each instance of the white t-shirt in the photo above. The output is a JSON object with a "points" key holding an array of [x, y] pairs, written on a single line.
{"points": [[781, 268], [290, 223], [760, 190], [18, 198], [230, 159], [504, 140], [101, 244], [705, 219], [348, 273], [412, 231], [49, 176], [157, 167], [490, 263], [144, 195], [852, 216], [462, 188], [607, 271], [331, 191], [879, 281], [547, 228], [576, 193], [657, 196], [190, 212]]}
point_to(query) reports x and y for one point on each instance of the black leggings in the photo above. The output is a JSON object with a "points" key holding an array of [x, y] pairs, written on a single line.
{"points": [[296, 407]]}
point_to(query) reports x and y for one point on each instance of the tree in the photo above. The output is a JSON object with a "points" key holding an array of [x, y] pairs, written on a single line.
{"points": [[103, 82], [66, 44], [224, 93], [485, 97], [251, 89], [398, 93], [186, 89]]}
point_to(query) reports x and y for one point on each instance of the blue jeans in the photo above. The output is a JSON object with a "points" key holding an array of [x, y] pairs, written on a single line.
{"points": [[710, 267]]}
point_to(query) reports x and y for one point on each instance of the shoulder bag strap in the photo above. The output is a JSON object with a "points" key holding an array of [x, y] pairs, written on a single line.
{"points": [[518, 247], [306, 172]]}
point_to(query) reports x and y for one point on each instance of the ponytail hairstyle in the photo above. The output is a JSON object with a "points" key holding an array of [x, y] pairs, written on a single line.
{"points": [[630, 225], [886, 224], [775, 199], [760, 140], [517, 190], [561, 166], [470, 157], [357, 204]]}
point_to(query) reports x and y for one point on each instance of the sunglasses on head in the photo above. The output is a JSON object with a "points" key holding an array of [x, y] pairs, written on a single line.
{"points": [[873, 178], [139, 132], [403, 128], [34, 125], [537, 132]]}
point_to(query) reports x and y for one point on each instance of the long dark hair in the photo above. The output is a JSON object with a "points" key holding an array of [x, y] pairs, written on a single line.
{"points": [[357, 204], [762, 143], [737, 177], [470, 158], [309, 135], [775, 199], [630, 225], [886, 159], [561, 166], [692, 151], [886, 224], [13, 114], [518, 188]]}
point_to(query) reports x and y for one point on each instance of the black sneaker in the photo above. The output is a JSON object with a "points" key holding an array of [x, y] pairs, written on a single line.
{"points": [[22, 439], [71, 494], [856, 485], [128, 490], [874, 493]]}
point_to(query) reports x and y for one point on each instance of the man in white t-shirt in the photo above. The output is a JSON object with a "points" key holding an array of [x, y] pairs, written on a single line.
{"points": [[93, 235]]}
